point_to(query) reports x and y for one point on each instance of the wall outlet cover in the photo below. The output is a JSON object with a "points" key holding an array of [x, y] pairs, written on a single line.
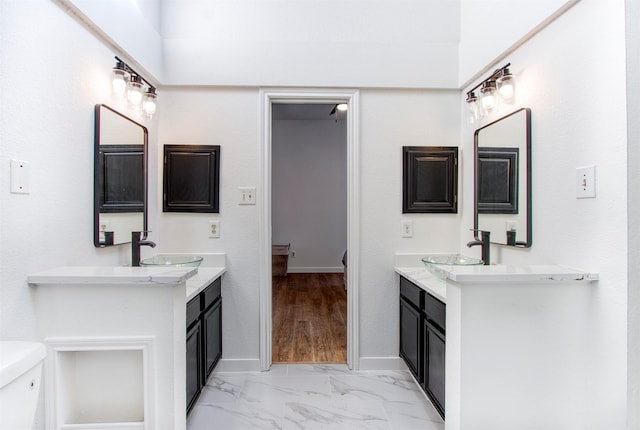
{"points": [[214, 229]]}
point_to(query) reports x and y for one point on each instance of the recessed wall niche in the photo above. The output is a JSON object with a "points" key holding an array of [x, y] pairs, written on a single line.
{"points": [[430, 179], [191, 178]]}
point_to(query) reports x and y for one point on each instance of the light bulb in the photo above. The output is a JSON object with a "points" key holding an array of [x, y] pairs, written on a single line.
{"points": [[488, 97], [342, 107], [506, 86], [119, 81], [135, 90], [150, 102]]}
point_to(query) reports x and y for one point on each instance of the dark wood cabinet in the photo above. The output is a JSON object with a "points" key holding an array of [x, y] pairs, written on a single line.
{"points": [[212, 318], [410, 330], [422, 339], [434, 365], [204, 338], [430, 179], [191, 178], [194, 363]]}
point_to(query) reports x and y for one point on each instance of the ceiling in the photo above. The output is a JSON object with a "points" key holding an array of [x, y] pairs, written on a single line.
{"points": [[306, 111]]}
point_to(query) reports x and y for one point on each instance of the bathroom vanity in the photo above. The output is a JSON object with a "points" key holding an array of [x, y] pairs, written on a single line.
{"points": [[117, 343], [516, 341]]}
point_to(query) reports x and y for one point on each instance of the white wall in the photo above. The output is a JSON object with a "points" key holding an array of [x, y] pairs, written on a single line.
{"points": [[312, 43], [309, 192], [47, 119], [574, 124], [132, 29], [633, 211], [488, 28], [389, 120]]}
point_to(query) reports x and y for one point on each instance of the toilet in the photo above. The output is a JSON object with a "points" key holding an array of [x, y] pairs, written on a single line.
{"points": [[20, 379]]}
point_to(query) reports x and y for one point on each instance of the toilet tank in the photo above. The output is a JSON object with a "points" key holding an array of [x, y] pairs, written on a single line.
{"points": [[20, 379]]}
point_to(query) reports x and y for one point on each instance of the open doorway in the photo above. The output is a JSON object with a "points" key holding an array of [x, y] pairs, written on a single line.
{"points": [[309, 232], [268, 98]]}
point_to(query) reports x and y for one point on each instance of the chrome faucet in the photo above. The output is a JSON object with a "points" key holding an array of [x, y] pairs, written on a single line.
{"points": [[136, 243], [485, 243]]}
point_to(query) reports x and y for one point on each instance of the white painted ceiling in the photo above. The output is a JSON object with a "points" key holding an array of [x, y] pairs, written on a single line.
{"points": [[297, 111]]}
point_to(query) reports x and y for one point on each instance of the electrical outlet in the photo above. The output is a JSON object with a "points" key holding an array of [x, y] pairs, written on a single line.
{"points": [[247, 195], [293, 254], [407, 228], [214, 228]]}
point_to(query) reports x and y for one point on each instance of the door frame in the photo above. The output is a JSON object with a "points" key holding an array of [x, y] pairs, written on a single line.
{"points": [[267, 98]]}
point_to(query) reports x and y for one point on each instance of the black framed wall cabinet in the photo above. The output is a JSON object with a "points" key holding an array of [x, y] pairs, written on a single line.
{"points": [[430, 179], [191, 178], [497, 187]]}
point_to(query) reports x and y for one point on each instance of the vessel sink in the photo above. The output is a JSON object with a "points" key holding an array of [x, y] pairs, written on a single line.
{"points": [[444, 261], [172, 260]]}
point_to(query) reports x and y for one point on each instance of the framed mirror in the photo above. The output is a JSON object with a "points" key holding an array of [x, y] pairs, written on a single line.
{"points": [[503, 179], [120, 178]]}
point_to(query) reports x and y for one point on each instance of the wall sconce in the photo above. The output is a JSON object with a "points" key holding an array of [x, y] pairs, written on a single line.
{"points": [[125, 79], [497, 88]]}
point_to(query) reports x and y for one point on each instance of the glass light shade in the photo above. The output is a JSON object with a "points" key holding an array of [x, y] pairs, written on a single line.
{"points": [[342, 107], [488, 95], [506, 86], [472, 105], [150, 102], [119, 81], [135, 90]]}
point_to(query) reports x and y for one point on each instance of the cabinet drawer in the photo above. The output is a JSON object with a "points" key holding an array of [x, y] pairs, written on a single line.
{"points": [[435, 310], [211, 293], [411, 292], [193, 310]]}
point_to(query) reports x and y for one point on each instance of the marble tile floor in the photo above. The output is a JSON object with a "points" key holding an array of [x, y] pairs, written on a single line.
{"points": [[313, 397]]}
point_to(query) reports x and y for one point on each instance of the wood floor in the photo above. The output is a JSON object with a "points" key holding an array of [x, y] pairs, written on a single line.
{"points": [[309, 318]]}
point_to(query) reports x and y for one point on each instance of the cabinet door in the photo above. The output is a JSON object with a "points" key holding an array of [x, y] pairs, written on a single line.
{"points": [[212, 337], [434, 379], [194, 364], [410, 337]]}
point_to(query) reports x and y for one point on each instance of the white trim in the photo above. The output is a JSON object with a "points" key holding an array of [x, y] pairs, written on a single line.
{"points": [[59, 345], [238, 365], [352, 97], [315, 269], [382, 363]]}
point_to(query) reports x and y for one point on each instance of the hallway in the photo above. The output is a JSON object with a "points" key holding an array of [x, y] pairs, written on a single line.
{"points": [[309, 318]]}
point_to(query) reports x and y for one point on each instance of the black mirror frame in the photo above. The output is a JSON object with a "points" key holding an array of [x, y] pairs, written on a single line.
{"points": [[97, 179], [528, 197]]}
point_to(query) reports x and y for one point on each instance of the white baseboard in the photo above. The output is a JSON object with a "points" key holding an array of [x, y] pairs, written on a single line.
{"points": [[238, 365], [382, 363], [315, 269], [366, 363]]}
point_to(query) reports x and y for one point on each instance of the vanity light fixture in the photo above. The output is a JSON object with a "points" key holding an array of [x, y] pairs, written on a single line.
{"points": [[497, 88], [127, 79]]}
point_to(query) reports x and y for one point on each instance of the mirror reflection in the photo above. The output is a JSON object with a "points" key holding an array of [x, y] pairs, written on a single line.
{"points": [[120, 194], [503, 179]]}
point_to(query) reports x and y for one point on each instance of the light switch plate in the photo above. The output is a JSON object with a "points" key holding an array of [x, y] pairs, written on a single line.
{"points": [[586, 182], [247, 195], [20, 177], [407, 228]]}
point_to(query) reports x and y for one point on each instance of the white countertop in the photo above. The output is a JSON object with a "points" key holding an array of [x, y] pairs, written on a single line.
{"points": [[202, 279], [411, 267], [112, 275], [509, 274], [425, 280]]}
